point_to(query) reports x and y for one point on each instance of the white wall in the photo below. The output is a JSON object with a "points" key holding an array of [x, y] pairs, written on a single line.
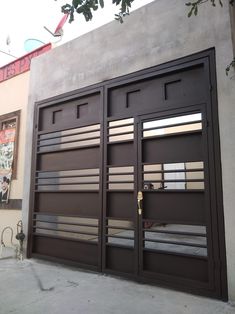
{"points": [[156, 33]]}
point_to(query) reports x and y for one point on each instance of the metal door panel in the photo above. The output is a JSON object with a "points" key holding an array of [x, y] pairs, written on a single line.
{"points": [[173, 235], [67, 185]]}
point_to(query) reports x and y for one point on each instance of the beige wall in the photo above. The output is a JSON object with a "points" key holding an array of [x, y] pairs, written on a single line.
{"points": [[13, 97]]}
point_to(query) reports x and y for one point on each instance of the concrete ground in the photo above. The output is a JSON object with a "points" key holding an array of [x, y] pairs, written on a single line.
{"points": [[38, 287]]}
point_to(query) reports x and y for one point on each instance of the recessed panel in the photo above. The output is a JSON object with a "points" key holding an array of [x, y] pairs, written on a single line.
{"points": [[82, 110], [121, 205], [84, 253], [174, 89], [121, 154], [69, 160], [120, 259], [175, 207], [187, 147], [57, 116], [176, 266], [132, 98], [84, 204], [71, 113]]}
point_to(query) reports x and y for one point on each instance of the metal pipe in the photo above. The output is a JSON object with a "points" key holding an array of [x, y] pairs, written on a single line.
{"points": [[20, 237], [2, 242], [8, 227]]}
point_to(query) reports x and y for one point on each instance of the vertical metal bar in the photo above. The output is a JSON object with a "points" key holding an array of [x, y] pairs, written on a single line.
{"points": [[32, 182], [105, 162], [139, 188], [216, 195], [101, 174], [136, 187], [218, 173]]}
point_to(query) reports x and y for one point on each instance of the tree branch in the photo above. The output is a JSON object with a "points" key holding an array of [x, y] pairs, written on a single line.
{"points": [[231, 65], [194, 6], [87, 7], [194, 10]]}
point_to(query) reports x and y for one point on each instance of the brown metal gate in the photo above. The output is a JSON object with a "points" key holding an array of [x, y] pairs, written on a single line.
{"points": [[127, 178]]}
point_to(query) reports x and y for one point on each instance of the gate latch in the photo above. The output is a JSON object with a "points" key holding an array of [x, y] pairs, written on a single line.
{"points": [[139, 199]]}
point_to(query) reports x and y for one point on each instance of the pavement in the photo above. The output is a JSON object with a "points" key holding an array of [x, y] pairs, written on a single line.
{"points": [[38, 287]]}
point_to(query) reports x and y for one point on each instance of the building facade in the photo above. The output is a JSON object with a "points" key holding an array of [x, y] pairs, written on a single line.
{"points": [[131, 170]]}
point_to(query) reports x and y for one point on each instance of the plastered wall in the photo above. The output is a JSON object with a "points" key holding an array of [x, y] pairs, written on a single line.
{"points": [[154, 34]]}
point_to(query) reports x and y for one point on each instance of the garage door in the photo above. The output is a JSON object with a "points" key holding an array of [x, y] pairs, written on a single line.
{"points": [[126, 178]]}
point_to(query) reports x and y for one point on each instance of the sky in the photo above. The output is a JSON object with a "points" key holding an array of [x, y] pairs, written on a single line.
{"points": [[24, 19]]}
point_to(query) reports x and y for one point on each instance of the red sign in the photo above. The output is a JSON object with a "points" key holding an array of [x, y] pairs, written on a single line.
{"points": [[7, 136], [22, 64]]}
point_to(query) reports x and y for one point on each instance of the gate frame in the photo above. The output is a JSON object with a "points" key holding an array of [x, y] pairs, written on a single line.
{"points": [[207, 57]]}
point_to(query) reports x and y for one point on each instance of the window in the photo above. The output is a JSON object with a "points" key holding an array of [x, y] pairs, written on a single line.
{"points": [[9, 121]]}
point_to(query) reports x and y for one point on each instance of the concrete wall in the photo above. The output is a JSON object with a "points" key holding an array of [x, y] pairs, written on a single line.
{"points": [[154, 34], [232, 13], [13, 96]]}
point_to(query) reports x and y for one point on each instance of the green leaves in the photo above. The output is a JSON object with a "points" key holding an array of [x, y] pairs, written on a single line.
{"points": [[76, 3], [194, 10], [102, 3], [68, 9], [124, 9], [86, 7], [195, 5]]}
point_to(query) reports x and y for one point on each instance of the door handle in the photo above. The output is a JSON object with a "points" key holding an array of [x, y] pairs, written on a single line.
{"points": [[139, 200]]}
